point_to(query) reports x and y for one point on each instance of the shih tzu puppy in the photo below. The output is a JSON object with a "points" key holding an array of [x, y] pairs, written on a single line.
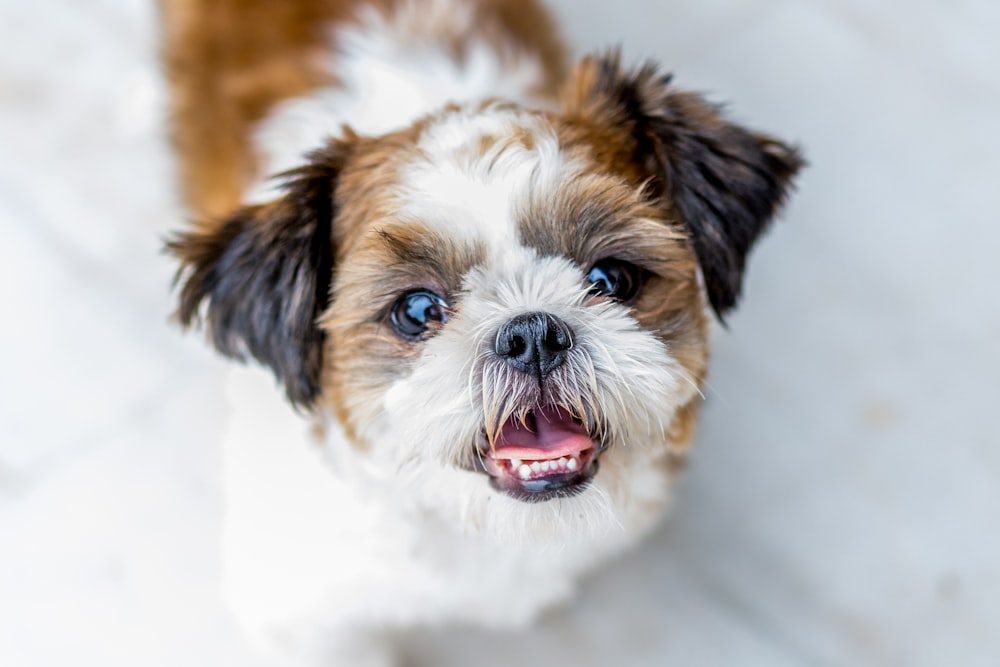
{"points": [[483, 282]]}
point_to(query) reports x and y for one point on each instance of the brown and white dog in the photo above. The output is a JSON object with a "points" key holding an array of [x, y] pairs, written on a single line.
{"points": [[484, 283]]}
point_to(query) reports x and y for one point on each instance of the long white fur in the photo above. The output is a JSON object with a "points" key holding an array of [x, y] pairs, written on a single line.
{"points": [[324, 542]]}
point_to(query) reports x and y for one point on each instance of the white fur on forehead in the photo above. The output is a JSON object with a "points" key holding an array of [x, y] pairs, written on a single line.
{"points": [[474, 171]]}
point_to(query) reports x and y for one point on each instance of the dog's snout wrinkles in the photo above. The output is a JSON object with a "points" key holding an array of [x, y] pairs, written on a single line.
{"points": [[534, 343]]}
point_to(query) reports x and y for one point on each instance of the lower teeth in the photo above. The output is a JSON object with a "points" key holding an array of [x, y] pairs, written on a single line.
{"points": [[540, 468]]}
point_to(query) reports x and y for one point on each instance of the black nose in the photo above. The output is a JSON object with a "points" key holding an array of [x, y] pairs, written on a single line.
{"points": [[534, 343]]}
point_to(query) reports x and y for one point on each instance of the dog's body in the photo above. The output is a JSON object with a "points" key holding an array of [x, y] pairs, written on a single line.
{"points": [[492, 303]]}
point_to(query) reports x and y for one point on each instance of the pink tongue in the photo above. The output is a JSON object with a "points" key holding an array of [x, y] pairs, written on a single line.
{"points": [[557, 435]]}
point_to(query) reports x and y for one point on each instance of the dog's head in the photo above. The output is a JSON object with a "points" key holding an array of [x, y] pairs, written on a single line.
{"points": [[496, 303]]}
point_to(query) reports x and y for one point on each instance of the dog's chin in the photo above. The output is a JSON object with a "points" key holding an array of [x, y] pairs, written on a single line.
{"points": [[548, 454]]}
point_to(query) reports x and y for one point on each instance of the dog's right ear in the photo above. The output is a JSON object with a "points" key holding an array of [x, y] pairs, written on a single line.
{"points": [[261, 278]]}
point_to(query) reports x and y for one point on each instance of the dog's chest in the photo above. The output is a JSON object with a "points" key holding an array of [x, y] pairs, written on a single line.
{"points": [[300, 542]]}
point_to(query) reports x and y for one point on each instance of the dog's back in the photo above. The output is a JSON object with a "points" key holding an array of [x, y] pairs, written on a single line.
{"points": [[231, 63]]}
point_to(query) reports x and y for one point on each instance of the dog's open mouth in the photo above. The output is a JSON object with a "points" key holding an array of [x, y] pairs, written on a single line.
{"points": [[549, 455]]}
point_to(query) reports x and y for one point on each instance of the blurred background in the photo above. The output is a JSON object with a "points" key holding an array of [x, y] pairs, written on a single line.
{"points": [[843, 502]]}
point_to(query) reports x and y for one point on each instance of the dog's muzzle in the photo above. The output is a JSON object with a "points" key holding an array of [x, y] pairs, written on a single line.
{"points": [[546, 451]]}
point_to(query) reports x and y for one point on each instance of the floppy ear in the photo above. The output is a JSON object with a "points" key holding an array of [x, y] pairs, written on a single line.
{"points": [[261, 278], [724, 182]]}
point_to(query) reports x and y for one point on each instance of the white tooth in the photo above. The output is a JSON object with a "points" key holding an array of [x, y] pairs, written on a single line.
{"points": [[562, 462], [536, 466], [515, 463], [573, 464], [524, 471], [545, 466]]}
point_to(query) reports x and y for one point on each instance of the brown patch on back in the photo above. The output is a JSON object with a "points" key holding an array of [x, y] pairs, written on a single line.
{"points": [[230, 62]]}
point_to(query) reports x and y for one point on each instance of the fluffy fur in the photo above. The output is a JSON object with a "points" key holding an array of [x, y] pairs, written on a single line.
{"points": [[437, 148]]}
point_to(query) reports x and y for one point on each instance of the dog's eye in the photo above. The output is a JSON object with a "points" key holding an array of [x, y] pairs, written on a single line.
{"points": [[417, 312], [615, 278]]}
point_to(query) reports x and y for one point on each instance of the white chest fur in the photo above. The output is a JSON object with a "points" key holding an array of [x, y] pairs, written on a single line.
{"points": [[314, 546]]}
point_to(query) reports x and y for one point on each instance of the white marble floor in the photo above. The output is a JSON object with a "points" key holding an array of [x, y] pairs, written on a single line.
{"points": [[843, 506]]}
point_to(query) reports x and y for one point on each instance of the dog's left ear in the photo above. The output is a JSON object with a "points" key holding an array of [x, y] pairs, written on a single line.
{"points": [[724, 182], [261, 278]]}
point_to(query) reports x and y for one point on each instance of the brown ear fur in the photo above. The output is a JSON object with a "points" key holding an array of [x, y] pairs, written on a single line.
{"points": [[723, 181], [263, 276]]}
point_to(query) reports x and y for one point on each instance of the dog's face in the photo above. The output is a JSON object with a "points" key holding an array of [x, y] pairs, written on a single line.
{"points": [[497, 303]]}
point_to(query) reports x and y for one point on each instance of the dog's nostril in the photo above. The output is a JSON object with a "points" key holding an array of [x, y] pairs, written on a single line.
{"points": [[534, 343], [517, 346], [557, 336]]}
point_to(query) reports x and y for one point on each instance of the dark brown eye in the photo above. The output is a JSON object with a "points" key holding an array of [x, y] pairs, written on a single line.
{"points": [[416, 312], [616, 279]]}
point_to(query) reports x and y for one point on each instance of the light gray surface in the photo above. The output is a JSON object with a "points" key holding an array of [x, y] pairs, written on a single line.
{"points": [[843, 505]]}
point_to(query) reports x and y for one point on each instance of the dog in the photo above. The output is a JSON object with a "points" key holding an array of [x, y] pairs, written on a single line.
{"points": [[482, 281]]}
